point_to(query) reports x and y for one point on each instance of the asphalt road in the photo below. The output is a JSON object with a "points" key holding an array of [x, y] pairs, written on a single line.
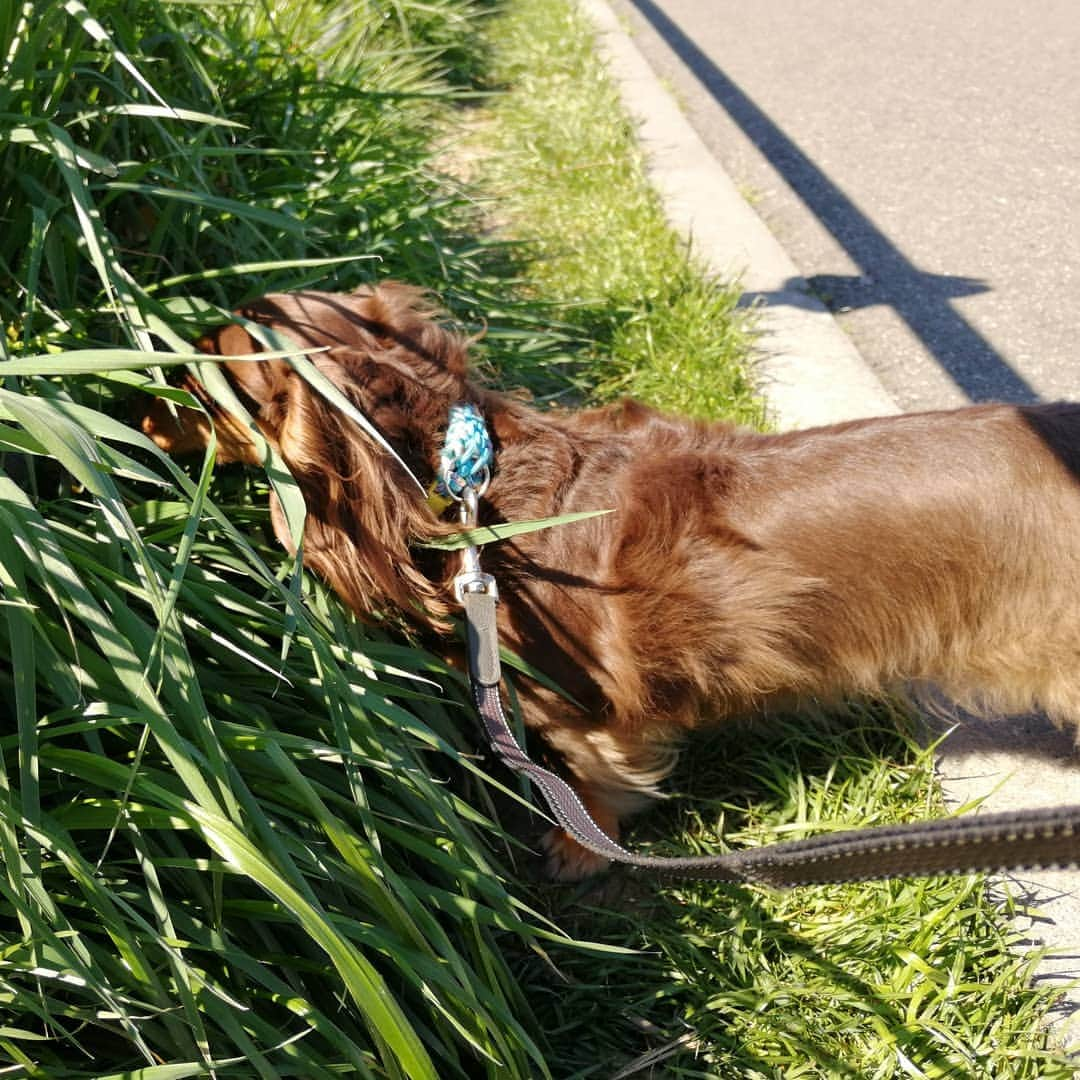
{"points": [[919, 161]]}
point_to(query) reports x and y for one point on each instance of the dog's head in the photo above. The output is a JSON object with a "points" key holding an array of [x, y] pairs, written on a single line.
{"points": [[398, 366]]}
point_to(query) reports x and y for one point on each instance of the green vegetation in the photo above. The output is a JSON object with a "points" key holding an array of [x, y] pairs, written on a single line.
{"points": [[567, 171], [242, 835], [892, 979], [227, 843]]}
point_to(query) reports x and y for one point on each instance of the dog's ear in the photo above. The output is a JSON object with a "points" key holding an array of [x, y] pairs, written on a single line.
{"points": [[365, 514], [181, 431], [385, 352], [360, 538], [399, 366]]}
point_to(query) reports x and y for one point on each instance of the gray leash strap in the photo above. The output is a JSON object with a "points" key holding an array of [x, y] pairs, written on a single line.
{"points": [[1025, 840]]}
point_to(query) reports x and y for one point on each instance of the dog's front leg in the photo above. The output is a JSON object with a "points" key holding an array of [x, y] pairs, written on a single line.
{"points": [[566, 859], [615, 777]]}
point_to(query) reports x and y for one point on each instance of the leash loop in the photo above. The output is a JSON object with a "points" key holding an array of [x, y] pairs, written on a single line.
{"points": [[467, 454]]}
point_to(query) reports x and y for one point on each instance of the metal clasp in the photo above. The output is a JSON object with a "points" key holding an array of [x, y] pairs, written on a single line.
{"points": [[472, 579]]}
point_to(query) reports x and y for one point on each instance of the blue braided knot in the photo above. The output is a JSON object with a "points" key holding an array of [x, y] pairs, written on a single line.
{"points": [[467, 454]]}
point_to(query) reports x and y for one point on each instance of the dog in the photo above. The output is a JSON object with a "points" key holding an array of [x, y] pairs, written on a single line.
{"points": [[739, 573]]}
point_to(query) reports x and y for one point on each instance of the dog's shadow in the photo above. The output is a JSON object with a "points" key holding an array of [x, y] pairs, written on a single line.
{"points": [[1031, 739], [785, 767]]}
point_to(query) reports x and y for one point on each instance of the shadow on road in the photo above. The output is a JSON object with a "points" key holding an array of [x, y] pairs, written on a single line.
{"points": [[888, 277]]}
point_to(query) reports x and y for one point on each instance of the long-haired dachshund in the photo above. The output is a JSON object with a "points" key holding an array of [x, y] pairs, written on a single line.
{"points": [[739, 572]]}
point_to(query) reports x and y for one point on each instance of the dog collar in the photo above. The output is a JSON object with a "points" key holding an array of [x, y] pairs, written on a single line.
{"points": [[467, 454]]}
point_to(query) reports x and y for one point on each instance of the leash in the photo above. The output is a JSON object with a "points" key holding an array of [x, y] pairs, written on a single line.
{"points": [[1023, 840]]}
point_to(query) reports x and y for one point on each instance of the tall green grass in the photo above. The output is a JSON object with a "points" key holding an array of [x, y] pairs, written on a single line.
{"points": [[227, 841]]}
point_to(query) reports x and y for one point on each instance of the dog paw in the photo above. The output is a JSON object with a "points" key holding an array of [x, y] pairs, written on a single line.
{"points": [[567, 860]]}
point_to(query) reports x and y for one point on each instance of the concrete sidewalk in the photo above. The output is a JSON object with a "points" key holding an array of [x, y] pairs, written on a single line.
{"points": [[812, 374]]}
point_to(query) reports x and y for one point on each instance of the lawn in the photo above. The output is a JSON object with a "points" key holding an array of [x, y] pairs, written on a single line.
{"points": [[243, 834]]}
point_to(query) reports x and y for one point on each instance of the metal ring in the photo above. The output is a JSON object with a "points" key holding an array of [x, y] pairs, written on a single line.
{"points": [[480, 489]]}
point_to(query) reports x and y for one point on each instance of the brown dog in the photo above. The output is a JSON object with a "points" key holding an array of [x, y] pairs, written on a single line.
{"points": [[739, 573]]}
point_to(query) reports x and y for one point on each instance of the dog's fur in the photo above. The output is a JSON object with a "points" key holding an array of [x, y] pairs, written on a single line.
{"points": [[739, 572]]}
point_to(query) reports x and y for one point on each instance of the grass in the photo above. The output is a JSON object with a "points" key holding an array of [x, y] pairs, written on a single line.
{"points": [[228, 844], [907, 978], [566, 166], [243, 835]]}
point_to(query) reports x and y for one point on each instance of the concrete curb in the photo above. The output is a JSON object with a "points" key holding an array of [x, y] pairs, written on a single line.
{"points": [[810, 370], [812, 374]]}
